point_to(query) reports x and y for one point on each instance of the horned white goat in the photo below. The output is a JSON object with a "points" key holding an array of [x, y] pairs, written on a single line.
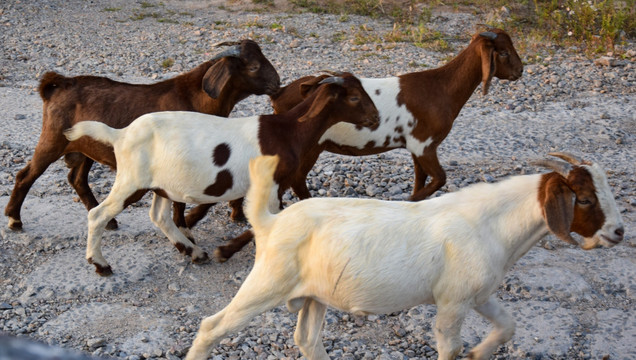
{"points": [[371, 256], [197, 158]]}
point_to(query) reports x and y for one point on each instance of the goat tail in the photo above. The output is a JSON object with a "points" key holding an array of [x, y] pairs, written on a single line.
{"points": [[262, 195], [95, 129]]}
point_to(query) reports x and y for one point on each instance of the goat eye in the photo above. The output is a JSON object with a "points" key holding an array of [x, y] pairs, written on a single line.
{"points": [[503, 53], [354, 99], [583, 201]]}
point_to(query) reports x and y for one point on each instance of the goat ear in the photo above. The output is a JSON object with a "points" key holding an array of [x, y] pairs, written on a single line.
{"points": [[488, 66], [309, 85], [558, 208], [322, 99], [216, 78]]}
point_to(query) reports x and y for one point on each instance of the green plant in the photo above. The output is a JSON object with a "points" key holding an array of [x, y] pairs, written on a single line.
{"points": [[276, 26], [253, 23], [338, 36], [145, 5], [597, 24], [142, 15], [166, 20], [112, 9], [167, 63]]}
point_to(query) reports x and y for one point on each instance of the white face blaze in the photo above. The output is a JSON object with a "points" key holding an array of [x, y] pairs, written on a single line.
{"points": [[606, 236], [396, 122]]}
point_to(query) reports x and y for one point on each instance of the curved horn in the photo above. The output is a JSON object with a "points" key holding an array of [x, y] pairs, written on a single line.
{"points": [[333, 80], [571, 158], [488, 35], [234, 51], [226, 43], [560, 167]]}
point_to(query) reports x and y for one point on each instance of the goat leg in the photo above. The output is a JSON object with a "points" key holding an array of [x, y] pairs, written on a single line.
{"points": [[80, 166], [423, 165], [43, 156], [178, 217], [223, 253]]}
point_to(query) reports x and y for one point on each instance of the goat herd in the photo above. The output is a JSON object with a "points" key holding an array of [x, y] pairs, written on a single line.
{"points": [[357, 255]]}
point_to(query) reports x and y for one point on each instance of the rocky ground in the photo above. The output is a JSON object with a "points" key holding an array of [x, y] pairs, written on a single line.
{"points": [[567, 303]]}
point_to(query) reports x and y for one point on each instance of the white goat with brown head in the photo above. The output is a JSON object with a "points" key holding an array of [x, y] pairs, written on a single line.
{"points": [[371, 256]]}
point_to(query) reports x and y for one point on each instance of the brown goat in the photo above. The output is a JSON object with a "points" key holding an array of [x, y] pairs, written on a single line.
{"points": [[417, 111], [213, 87]]}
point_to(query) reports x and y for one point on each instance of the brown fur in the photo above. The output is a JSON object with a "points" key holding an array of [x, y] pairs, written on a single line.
{"points": [[222, 184], [570, 205], [221, 154]]}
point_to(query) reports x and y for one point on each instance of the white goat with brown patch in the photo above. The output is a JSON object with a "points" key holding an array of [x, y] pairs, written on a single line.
{"points": [[197, 158], [370, 256]]}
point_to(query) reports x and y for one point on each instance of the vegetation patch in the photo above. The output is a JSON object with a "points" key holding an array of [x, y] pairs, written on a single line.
{"points": [[593, 26]]}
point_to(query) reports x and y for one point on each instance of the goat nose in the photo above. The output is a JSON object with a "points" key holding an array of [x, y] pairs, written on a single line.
{"points": [[620, 232]]}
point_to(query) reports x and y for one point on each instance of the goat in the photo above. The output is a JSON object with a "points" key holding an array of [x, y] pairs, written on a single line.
{"points": [[169, 153], [213, 87], [368, 256], [417, 111]]}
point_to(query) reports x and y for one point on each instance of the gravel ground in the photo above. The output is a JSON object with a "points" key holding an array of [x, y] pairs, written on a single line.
{"points": [[567, 303]]}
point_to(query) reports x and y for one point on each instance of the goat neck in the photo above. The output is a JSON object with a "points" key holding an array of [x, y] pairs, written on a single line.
{"points": [[456, 82], [286, 129]]}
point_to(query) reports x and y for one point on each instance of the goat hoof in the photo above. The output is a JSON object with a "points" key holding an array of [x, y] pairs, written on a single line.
{"points": [[15, 225], [101, 270], [112, 225], [201, 259], [218, 255]]}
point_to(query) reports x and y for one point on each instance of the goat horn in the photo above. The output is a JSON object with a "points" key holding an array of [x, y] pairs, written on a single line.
{"points": [[234, 51], [332, 80], [560, 167], [488, 35], [571, 158], [226, 43]]}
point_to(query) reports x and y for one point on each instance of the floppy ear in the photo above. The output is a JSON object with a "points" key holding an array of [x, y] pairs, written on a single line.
{"points": [[558, 208], [216, 78], [488, 65], [323, 98], [311, 84]]}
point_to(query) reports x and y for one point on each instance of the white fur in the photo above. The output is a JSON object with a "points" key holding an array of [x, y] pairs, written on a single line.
{"points": [[370, 256], [171, 151], [392, 115]]}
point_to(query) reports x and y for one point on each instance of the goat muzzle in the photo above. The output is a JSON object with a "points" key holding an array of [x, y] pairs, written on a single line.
{"points": [[372, 122]]}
